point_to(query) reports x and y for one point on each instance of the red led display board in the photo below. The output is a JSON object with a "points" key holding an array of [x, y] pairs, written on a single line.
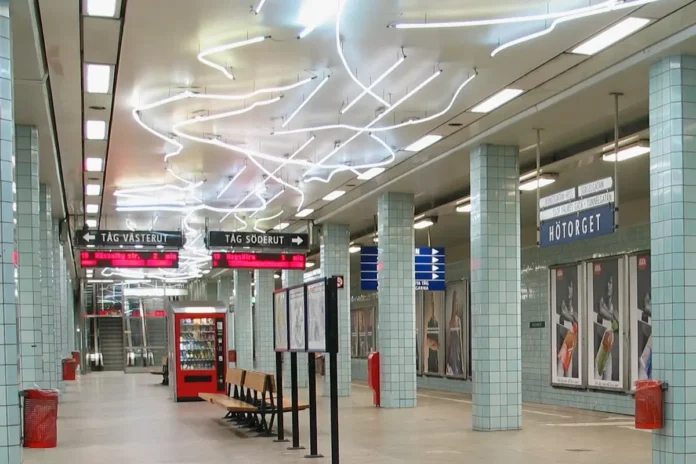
{"points": [[259, 261], [129, 259]]}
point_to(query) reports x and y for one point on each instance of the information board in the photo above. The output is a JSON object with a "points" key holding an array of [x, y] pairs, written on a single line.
{"points": [[429, 269], [130, 238], [275, 261], [280, 320], [129, 259], [257, 240], [316, 316]]}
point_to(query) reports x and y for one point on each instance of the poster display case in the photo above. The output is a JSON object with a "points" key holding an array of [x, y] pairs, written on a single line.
{"points": [[433, 333], [567, 326], [316, 316], [640, 301], [280, 318], [297, 322], [456, 329]]}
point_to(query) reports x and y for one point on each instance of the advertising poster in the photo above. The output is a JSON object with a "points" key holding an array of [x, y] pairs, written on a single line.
{"points": [[419, 331], [369, 330], [641, 318], [280, 320], [362, 334], [433, 326], [455, 329], [354, 334], [606, 317], [296, 297], [566, 327], [316, 317]]}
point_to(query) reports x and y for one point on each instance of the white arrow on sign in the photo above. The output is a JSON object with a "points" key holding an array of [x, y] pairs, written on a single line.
{"points": [[436, 268], [89, 237], [297, 240], [435, 276], [436, 260]]}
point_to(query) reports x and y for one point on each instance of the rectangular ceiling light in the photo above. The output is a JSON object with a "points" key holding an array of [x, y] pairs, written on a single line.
{"points": [[92, 190], [353, 249], [497, 100], [281, 226], [91, 223], [631, 151], [609, 37], [92, 209], [333, 195], [424, 223], [423, 143], [304, 213], [95, 130], [532, 184], [465, 208], [371, 173], [94, 164], [98, 78], [106, 8]]}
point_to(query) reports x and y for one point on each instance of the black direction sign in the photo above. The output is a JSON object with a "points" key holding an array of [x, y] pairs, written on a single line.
{"points": [[130, 238], [258, 240]]}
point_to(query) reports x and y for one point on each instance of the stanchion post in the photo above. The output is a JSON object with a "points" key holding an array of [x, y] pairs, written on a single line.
{"points": [[334, 406], [313, 441], [295, 401], [279, 400]]}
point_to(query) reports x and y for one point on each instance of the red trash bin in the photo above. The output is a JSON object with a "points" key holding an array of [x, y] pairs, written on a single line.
{"points": [[69, 369], [649, 401], [40, 417]]}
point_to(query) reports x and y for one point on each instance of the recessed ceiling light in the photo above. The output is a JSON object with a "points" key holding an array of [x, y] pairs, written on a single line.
{"points": [[106, 8], [276, 276], [424, 223], [423, 143], [632, 151], [531, 184], [465, 208], [98, 78], [95, 129], [281, 226], [375, 239], [309, 264], [304, 213], [353, 249], [333, 195], [92, 190], [91, 223], [497, 100], [528, 175], [92, 209], [371, 173], [610, 36], [94, 164]]}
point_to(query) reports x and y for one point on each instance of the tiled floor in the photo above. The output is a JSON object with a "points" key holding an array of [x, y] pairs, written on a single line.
{"points": [[110, 418]]}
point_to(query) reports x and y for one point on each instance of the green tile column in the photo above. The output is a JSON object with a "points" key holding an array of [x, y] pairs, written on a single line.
{"points": [[495, 288], [243, 324], [47, 304], [673, 248], [264, 283]]}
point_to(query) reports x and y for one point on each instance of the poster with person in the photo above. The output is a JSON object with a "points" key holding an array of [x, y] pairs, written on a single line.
{"points": [[606, 318], [369, 330], [433, 327], [280, 320], [298, 327], [354, 334], [456, 329], [566, 326], [641, 318], [316, 317], [419, 330]]}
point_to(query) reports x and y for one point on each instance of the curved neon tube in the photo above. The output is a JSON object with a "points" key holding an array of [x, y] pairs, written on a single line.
{"points": [[275, 197], [270, 218], [202, 55], [231, 181], [374, 84]]}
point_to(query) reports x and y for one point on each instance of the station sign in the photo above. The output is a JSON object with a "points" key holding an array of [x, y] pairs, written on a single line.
{"points": [[429, 269], [257, 240], [129, 238], [129, 259], [275, 261], [580, 213]]}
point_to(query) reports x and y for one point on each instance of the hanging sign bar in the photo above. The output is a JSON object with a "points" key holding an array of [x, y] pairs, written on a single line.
{"points": [[129, 238]]}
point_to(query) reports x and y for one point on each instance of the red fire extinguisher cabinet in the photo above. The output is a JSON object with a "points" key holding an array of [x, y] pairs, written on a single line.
{"points": [[649, 404], [373, 376]]}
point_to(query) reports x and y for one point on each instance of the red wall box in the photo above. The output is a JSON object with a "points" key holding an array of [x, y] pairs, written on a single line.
{"points": [[373, 379], [649, 404]]}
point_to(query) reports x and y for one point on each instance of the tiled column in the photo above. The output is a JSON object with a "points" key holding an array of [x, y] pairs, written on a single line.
{"points": [[71, 316], [263, 325], [64, 303], [225, 291], [58, 303], [672, 244], [243, 324], [211, 291], [47, 316], [495, 288], [335, 240], [290, 279], [397, 300], [10, 451], [28, 245]]}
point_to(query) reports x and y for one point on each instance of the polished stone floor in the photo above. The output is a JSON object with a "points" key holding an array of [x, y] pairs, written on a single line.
{"points": [[109, 418]]}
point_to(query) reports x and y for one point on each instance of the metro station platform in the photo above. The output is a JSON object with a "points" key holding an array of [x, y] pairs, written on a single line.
{"points": [[110, 418]]}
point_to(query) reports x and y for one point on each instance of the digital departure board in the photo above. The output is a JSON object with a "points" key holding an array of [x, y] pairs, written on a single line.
{"points": [[129, 259], [259, 261]]}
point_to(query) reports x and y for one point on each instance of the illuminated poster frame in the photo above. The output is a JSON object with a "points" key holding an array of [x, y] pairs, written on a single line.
{"points": [[457, 329], [640, 304], [567, 310]]}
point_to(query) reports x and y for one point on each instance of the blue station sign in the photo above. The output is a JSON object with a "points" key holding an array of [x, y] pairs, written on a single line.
{"points": [[429, 269]]}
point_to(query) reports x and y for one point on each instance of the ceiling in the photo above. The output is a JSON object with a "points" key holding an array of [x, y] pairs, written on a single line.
{"points": [[177, 122]]}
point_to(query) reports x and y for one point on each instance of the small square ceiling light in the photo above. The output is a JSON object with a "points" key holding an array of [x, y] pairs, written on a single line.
{"points": [[92, 190], [333, 195], [92, 208], [91, 223], [95, 130], [94, 164], [104, 8], [423, 143], [98, 78], [497, 100]]}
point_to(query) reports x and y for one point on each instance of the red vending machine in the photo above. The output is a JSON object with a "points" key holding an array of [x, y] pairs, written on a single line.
{"points": [[198, 348]]}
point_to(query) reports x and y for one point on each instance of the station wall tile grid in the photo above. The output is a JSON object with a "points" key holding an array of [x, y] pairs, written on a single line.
{"points": [[396, 315], [290, 279], [48, 324], [263, 326], [243, 328]]}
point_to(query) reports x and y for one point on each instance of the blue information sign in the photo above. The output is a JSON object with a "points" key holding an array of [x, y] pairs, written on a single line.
{"points": [[580, 226], [429, 269]]}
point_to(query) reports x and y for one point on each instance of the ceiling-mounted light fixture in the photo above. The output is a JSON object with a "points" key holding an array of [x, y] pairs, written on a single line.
{"points": [[92, 208], [91, 223], [353, 249], [314, 13], [257, 10], [531, 184], [304, 213], [424, 222], [610, 36], [232, 181], [105, 8], [497, 100], [371, 173], [94, 164], [95, 129], [375, 239], [98, 78], [628, 152], [276, 275], [281, 226], [333, 195], [309, 264], [423, 142], [92, 190], [373, 85], [242, 43], [464, 205], [306, 100], [528, 175]]}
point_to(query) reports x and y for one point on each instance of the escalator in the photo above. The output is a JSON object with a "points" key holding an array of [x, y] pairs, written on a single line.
{"points": [[111, 342]]}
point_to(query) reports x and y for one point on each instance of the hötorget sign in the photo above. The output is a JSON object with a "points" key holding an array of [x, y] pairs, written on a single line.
{"points": [[129, 238], [583, 225], [221, 239]]}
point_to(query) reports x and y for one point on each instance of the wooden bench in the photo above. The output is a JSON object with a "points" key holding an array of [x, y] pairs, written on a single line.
{"points": [[163, 370]]}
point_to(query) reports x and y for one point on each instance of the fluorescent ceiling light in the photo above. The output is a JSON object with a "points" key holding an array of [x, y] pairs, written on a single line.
{"points": [[257, 10], [497, 100], [100, 281], [423, 223], [314, 13], [423, 143], [373, 85], [371, 173], [353, 249], [94, 164], [375, 239], [92, 208], [306, 100], [92, 223], [333, 195], [465, 208], [281, 226], [276, 276], [304, 213], [309, 264], [105, 8], [610, 36], [528, 175], [231, 181], [632, 151], [92, 190], [98, 78], [532, 184], [96, 130]]}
